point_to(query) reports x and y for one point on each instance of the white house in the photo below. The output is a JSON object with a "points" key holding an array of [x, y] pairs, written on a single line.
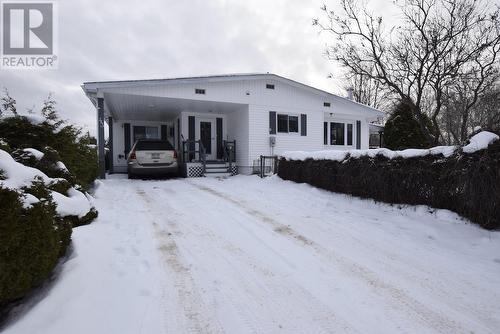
{"points": [[241, 115]]}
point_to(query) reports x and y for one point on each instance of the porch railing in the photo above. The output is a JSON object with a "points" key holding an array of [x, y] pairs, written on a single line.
{"points": [[194, 151], [268, 165], [229, 152]]}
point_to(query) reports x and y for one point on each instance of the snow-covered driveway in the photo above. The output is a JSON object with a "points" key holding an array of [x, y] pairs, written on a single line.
{"points": [[246, 255]]}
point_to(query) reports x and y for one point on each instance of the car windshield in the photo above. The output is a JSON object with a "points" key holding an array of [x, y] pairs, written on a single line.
{"points": [[153, 145]]}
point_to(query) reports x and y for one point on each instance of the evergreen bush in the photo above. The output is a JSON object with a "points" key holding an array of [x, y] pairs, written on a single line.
{"points": [[402, 131], [31, 241]]}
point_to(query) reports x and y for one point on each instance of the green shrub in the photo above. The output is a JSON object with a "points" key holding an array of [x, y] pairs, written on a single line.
{"points": [[85, 220], [64, 145], [31, 241], [402, 131]]}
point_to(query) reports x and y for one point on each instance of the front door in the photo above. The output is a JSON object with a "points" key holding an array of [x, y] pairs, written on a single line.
{"points": [[206, 133]]}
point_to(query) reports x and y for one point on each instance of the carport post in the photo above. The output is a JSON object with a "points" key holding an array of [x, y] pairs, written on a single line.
{"points": [[110, 144], [100, 137]]}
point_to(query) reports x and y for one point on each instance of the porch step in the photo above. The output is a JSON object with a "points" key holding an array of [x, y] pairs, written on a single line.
{"points": [[226, 174], [222, 169], [216, 165]]}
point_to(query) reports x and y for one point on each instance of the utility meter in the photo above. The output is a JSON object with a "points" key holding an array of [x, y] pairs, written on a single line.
{"points": [[272, 141]]}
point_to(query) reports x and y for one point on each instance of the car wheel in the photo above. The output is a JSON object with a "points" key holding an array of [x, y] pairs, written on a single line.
{"points": [[131, 176]]}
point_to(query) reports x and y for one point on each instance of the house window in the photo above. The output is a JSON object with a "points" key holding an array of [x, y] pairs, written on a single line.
{"points": [[349, 134], [199, 91], [282, 123], [326, 104], [269, 86], [325, 133], [288, 123], [148, 132], [337, 133]]}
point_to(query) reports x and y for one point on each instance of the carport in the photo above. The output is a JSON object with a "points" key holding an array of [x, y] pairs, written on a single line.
{"points": [[197, 128]]}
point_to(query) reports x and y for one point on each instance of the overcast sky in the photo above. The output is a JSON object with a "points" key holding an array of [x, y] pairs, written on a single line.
{"points": [[119, 40]]}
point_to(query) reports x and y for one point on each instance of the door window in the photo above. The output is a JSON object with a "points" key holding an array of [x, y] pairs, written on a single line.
{"points": [[206, 136]]}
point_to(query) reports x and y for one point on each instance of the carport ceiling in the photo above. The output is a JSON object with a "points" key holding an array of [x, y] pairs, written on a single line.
{"points": [[155, 108]]}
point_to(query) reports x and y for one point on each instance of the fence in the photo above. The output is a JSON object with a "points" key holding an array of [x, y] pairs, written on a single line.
{"points": [[266, 165]]}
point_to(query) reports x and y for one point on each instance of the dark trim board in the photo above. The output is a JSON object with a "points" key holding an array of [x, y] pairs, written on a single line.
{"points": [[219, 137], [358, 135], [191, 135], [126, 133]]}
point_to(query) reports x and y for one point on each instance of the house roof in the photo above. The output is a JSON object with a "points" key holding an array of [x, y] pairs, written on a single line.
{"points": [[92, 86]]}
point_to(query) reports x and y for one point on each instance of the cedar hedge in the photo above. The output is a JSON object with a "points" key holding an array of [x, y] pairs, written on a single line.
{"points": [[34, 238], [31, 242], [468, 184]]}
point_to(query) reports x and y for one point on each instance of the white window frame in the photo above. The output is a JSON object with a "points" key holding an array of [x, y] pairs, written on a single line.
{"points": [[288, 128], [158, 130], [345, 122]]}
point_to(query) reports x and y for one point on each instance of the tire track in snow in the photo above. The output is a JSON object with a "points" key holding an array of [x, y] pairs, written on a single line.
{"points": [[190, 302], [472, 310], [254, 279], [398, 297]]}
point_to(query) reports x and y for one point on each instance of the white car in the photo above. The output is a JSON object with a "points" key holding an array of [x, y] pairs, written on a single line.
{"points": [[152, 157]]}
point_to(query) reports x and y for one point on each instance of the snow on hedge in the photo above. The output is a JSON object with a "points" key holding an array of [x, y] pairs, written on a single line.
{"points": [[75, 204], [18, 175], [61, 166], [478, 142], [36, 153]]}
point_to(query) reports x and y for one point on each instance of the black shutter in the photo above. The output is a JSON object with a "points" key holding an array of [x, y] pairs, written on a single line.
{"points": [[358, 135], [163, 132], [218, 131], [126, 132], [191, 132], [325, 133], [272, 122], [303, 124]]}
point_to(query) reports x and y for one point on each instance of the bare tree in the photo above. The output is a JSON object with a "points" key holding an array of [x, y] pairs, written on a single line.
{"points": [[437, 43], [487, 111], [368, 91]]}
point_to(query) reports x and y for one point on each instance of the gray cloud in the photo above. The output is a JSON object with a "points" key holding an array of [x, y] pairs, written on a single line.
{"points": [[117, 40]]}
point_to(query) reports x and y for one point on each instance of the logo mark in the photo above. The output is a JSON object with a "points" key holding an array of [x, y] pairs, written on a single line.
{"points": [[28, 34]]}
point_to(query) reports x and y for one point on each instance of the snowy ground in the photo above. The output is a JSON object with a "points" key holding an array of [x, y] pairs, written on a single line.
{"points": [[245, 255]]}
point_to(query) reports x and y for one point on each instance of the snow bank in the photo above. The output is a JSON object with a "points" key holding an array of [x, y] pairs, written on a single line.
{"points": [[480, 142], [477, 142], [75, 204]]}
